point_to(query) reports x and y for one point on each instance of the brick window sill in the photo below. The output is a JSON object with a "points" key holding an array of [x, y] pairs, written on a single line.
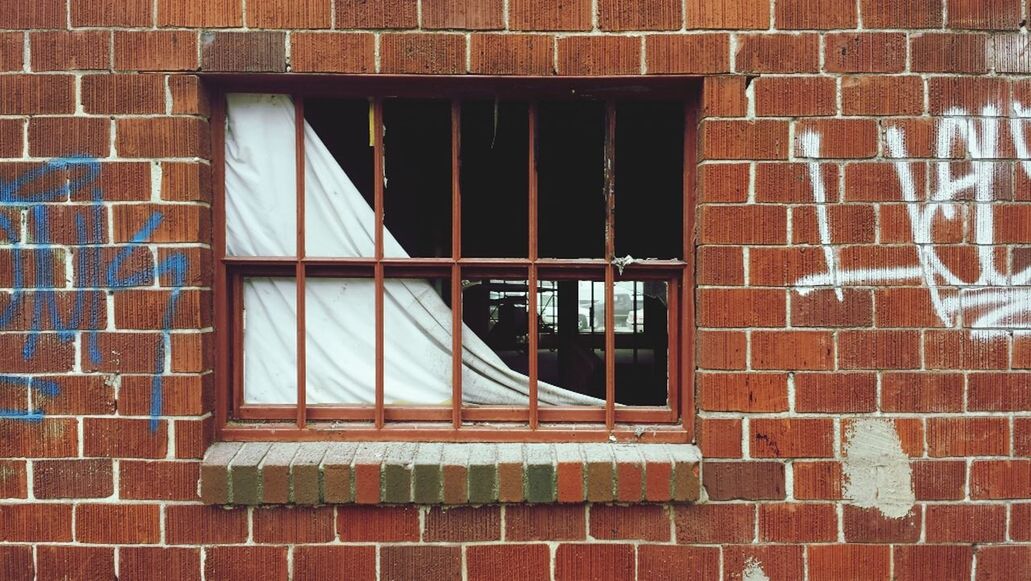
{"points": [[312, 473]]}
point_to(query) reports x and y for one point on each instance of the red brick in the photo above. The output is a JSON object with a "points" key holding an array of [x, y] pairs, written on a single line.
{"points": [[122, 352], [821, 308], [202, 524], [879, 349], [639, 15], [12, 49], [293, 525], [968, 523], [163, 137], [71, 562], [155, 563], [185, 182], [192, 438], [545, 523], [723, 96], [797, 523], [451, 14], [865, 52], [918, 562], [958, 350], [124, 438], [549, 15], [332, 52], [1002, 479], [636, 522], [969, 94], [816, 480], [792, 350], [276, 14], [116, 13], [511, 54], [839, 138], [721, 265], [714, 523], [348, 562], [125, 94], [901, 13], [881, 96], [939, 480], [62, 136], [721, 350], [36, 522], [720, 438], [180, 222], [749, 308], [462, 524], [16, 563], [968, 436], [909, 430], [411, 53], [117, 523], [879, 182], [72, 478], [744, 224], [792, 438], [33, 14], [671, 562], [12, 137], [744, 392], [377, 523], [13, 479], [897, 227], [158, 480], [868, 525], [778, 562], [1011, 563], [1020, 523], [906, 307], [985, 14], [246, 563], [594, 561], [748, 480], [740, 14], [70, 50], [599, 55], [255, 51], [399, 563], [376, 14], [795, 96], [729, 139], [687, 54], [835, 392], [489, 562], [922, 392], [142, 309], [778, 53], [49, 438], [818, 14], [188, 96], [209, 14], [723, 182], [156, 50], [180, 395], [948, 53], [850, 562]]}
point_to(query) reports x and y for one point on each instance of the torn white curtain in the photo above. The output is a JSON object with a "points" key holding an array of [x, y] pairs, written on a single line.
{"points": [[260, 211]]}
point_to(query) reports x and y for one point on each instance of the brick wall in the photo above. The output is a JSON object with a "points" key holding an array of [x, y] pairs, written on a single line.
{"points": [[863, 260]]}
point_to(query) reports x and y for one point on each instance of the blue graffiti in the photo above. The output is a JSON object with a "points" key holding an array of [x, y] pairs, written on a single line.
{"points": [[84, 315]]}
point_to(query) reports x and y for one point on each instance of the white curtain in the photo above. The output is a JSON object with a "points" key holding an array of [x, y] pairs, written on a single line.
{"points": [[260, 214]]}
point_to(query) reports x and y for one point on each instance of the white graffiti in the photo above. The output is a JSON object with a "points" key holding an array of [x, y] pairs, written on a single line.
{"points": [[994, 301]]}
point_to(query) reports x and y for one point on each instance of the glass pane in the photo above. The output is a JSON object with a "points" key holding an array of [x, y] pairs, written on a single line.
{"points": [[642, 342], [571, 340], [340, 340], [339, 188], [417, 342], [269, 340], [570, 177], [495, 176], [649, 179], [417, 198], [261, 181], [494, 342]]}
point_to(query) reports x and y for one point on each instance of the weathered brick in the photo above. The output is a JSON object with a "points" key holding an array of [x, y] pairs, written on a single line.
{"points": [[948, 53], [243, 51], [123, 94], [156, 51], [789, 522], [117, 523], [548, 15], [865, 52], [599, 55], [818, 14], [72, 478], [209, 14], [742, 14], [511, 54], [414, 53], [594, 561], [72, 50], [483, 15], [332, 52], [376, 14], [792, 438], [278, 14], [778, 53]]}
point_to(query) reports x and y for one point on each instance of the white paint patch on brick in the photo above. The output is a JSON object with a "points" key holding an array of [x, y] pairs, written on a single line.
{"points": [[753, 571], [877, 473]]}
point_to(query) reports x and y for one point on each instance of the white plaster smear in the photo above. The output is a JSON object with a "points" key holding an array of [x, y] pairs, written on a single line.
{"points": [[1000, 302], [877, 473], [753, 571]]}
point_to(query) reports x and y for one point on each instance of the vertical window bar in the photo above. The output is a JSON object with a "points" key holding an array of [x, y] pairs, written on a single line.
{"points": [[673, 346], [456, 274], [225, 309], [300, 271], [610, 316], [687, 305], [531, 282], [378, 179]]}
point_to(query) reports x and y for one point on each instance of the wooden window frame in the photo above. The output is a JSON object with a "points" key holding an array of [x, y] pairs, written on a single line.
{"points": [[236, 421]]}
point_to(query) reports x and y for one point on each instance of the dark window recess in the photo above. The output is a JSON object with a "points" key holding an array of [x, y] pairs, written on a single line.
{"points": [[343, 126]]}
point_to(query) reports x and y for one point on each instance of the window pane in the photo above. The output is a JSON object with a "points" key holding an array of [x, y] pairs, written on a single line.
{"points": [[495, 176], [339, 188], [269, 341], [494, 312], [417, 342], [417, 198], [571, 339], [340, 340], [642, 342], [570, 177], [649, 179], [261, 181]]}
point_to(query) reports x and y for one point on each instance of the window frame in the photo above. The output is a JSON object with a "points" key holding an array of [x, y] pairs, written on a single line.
{"points": [[237, 421]]}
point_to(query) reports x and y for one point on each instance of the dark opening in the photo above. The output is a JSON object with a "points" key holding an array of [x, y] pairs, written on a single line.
{"points": [[343, 126]]}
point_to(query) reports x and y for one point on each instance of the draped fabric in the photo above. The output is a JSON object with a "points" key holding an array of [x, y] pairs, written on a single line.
{"points": [[260, 214]]}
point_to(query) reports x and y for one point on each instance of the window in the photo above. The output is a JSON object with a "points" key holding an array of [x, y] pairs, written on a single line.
{"points": [[478, 259]]}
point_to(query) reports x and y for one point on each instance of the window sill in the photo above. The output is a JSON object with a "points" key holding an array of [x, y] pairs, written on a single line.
{"points": [[312, 473]]}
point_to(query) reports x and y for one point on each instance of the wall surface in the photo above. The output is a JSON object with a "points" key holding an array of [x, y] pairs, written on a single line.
{"points": [[863, 272]]}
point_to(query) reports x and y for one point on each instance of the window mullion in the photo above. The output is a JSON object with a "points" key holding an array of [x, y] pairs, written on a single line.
{"points": [[300, 267], [610, 317], [456, 269], [685, 385], [531, 282], [378, 179]]}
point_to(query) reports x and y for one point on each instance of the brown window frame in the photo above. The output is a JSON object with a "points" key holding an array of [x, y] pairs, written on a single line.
{"points": [[237, 421]]}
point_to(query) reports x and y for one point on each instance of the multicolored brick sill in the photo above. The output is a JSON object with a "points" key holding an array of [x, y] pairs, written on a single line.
{"points": [[312, 473]]}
